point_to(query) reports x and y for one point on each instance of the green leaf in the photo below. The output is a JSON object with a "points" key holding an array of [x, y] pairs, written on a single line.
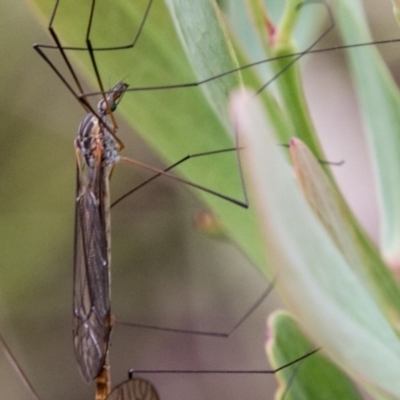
{"points": [[317, 285], [322, 198], [328, 206], [207, 46], [315, 377]]}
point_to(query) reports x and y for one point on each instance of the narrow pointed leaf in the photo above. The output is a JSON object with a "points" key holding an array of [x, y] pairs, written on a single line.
{"points": [[327, 205]]}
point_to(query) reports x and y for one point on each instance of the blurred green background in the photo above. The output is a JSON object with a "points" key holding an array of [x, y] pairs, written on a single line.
{"points": [[163, 271]]}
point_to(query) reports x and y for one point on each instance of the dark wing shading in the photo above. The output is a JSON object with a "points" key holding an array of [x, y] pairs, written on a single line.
{"points": [[134, 389], [91, 324]]}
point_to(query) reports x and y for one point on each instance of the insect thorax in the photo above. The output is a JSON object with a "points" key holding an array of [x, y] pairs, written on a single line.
{"points": [[94, 137]]}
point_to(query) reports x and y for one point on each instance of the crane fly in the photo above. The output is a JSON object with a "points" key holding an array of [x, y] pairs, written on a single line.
{"points": [[97, 148], [97, 152]]}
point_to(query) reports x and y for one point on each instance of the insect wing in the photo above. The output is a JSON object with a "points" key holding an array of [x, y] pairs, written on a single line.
{"points": [[134, 389], [92, 325]]}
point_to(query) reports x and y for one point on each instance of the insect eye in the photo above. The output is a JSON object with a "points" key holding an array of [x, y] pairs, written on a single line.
{"points": [[103, 109]]}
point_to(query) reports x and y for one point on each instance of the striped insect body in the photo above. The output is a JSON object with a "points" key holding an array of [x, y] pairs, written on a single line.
{"points": [[96, 133], [97, 151]]}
